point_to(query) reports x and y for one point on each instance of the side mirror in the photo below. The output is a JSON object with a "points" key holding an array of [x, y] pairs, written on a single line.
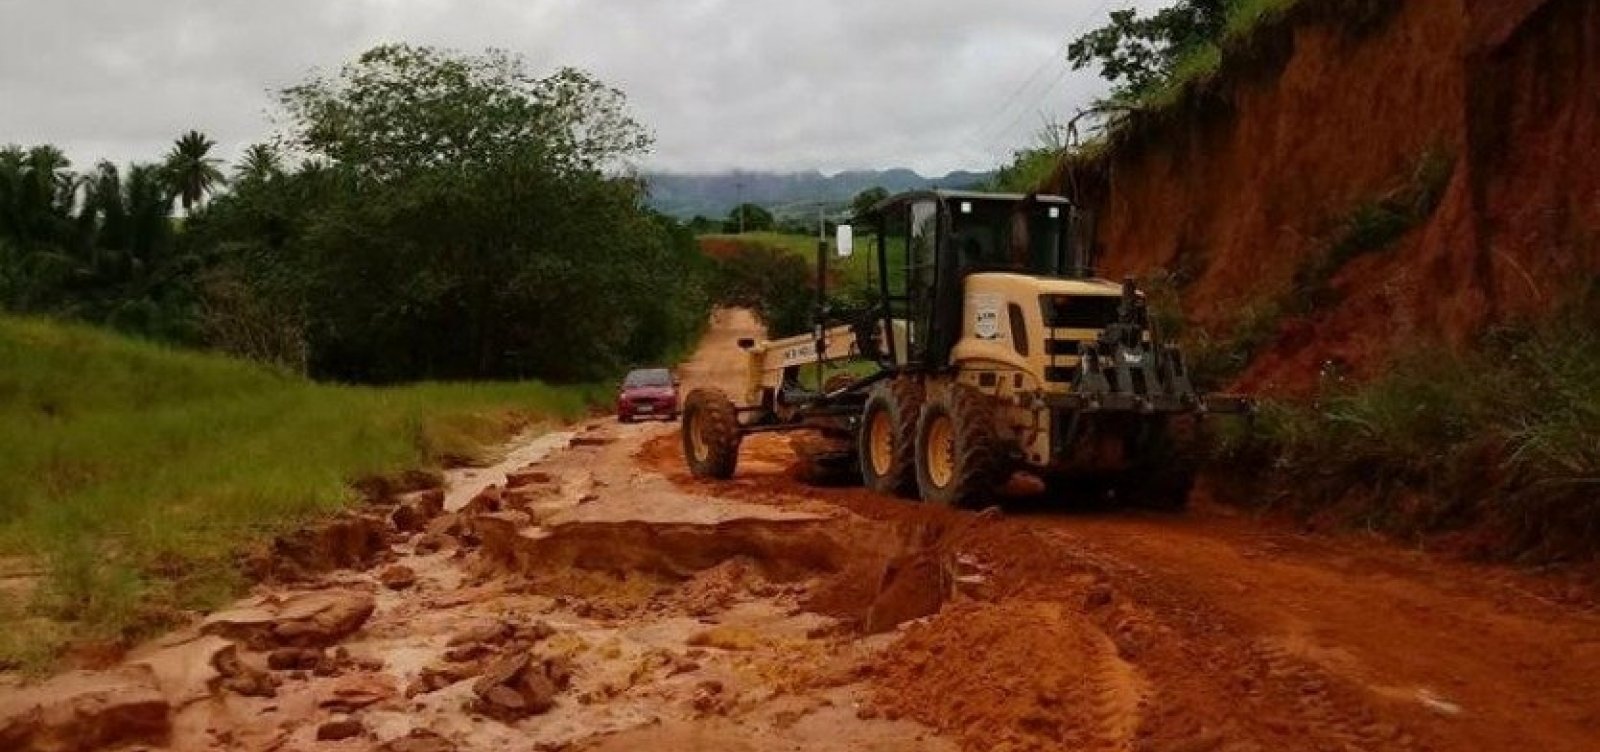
{"points": [[845, 241]]}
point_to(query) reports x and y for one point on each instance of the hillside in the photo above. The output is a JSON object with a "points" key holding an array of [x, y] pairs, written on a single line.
{"points": [[134, 472], [715, 194], [1382, 219], [1357, 179]]}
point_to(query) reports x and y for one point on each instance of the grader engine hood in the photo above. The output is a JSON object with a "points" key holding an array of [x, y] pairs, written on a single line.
{"points": [[1084, 344], [1032, 328]]}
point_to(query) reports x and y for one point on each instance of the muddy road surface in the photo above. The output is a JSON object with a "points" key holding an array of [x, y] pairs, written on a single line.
{"points": [[586, 594]]}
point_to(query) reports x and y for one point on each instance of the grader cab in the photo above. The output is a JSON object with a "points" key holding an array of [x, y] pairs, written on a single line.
{"points": [[991, 348]]}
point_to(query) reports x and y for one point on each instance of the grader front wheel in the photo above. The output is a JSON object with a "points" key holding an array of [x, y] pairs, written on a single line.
{"points": [[888, 437], [711, 436]]}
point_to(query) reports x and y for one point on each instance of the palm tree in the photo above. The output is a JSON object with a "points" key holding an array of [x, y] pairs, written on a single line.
{"points": [[191, 172], [260, 164]]}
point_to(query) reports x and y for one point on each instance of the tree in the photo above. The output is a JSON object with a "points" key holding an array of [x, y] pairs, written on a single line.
{"points": [[865, 200], [260, 163], [749, 217], [1139, 53], [191, 170], [399, 108], [702, 225], [458, 218]]}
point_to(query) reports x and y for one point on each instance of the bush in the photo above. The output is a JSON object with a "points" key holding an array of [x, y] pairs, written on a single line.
{"points": [[1502, 440]]}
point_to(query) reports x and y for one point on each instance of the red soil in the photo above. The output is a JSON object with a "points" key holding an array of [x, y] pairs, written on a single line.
{"points": [[1251, 183]]}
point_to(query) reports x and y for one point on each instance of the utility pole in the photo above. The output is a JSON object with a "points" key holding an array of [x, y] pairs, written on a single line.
{"points": [[820, 326], [739, 203]]}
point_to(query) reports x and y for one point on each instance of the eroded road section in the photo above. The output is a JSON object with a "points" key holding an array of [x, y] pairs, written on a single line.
{"points": [[586, 594]]}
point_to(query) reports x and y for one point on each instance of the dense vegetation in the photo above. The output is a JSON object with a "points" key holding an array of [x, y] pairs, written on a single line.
{"points": [[447, 216], [1495, 447], [422, 215], [134, 471]]}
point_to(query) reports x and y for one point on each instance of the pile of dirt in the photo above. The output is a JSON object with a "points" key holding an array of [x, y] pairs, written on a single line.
{"points": [[1020, 675]]}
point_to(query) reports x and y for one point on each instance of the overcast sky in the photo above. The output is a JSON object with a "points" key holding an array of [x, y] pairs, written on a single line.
{"points": [[756, 84]]}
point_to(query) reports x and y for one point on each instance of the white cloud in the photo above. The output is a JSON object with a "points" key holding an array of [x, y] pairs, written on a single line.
{"points": [[755, 84]]}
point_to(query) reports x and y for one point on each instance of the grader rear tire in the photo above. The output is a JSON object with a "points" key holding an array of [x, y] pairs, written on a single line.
{"points": [[887, 441], [711, 435], [959, 458]]}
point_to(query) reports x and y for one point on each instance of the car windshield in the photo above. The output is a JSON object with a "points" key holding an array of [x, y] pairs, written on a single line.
{"points": [[648, 377]]}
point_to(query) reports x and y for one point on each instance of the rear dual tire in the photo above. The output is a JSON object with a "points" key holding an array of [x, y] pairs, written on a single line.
{"points": [[959, 459]]}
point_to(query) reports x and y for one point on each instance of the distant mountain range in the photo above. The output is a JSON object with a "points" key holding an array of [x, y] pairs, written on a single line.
{"points": [[784, 193]]}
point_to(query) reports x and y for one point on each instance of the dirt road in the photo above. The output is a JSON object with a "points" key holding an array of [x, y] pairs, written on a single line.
{"points": [[1208, 630], [586, 594]]}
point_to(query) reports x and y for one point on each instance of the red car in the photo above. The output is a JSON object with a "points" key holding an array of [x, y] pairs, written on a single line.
{"points": [[648, 393]]}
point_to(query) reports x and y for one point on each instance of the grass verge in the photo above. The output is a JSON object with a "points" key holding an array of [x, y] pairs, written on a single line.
{"points": [[135, 471], [1497, 447]]}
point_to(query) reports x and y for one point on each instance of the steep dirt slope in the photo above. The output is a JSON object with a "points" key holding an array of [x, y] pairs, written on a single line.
{"points": [[1253, 176]]}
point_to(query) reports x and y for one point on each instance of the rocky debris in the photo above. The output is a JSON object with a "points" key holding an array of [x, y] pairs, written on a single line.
{"points": [[418, 740], [528, 477], [681, 664], [186, 671], [343, 727], [501, 532], [414, 510], [346, 541], [520, 685], [312, 619], [356, 691], [85, 710], [486, 632], [438, 676], [589, 441], [469, 652], [398, 577], [535, 632], [294, 659], [449, 523], [432, 543], [487, 500], [240, 677], [710, 697]]}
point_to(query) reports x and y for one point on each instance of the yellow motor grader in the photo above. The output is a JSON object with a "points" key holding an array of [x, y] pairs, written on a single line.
{"points": [[991, 348]]}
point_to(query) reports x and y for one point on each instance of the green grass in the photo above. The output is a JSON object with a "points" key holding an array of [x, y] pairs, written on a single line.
{"points": [[134, 472], [1245, 16], [1501, 440]]}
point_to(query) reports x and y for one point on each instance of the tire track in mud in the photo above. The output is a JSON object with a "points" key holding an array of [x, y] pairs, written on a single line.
{"points": [[1213, 682]]}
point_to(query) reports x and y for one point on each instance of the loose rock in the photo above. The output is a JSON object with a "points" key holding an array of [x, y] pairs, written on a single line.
{"points": [[356, 691], [313, 619], [294, 659], [430, 543], [517, 686], [415, 509], [339, 728], [243, 678], [398, 577]]}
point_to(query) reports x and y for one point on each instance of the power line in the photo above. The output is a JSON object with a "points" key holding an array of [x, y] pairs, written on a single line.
{"points": [[985, 142]]}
